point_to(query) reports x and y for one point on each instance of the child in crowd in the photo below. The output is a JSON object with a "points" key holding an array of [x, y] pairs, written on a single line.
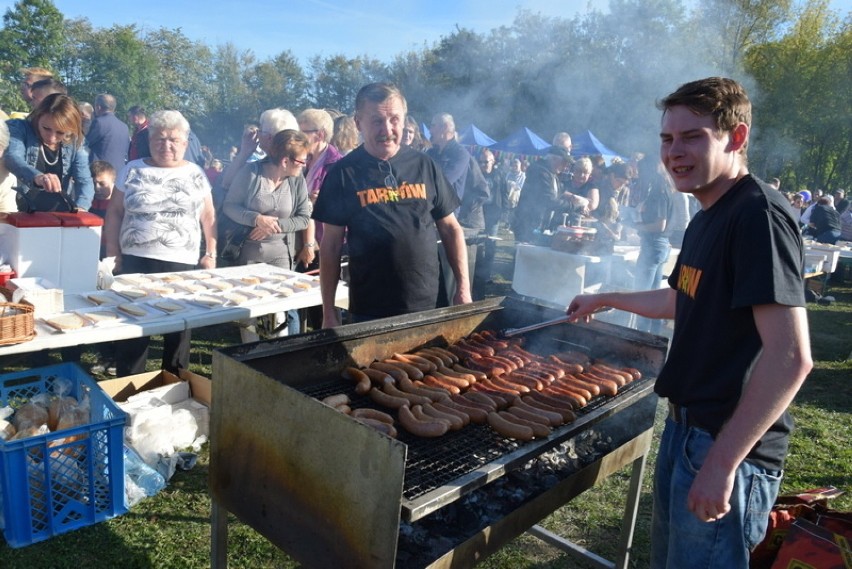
{"points": [[103, 176]]}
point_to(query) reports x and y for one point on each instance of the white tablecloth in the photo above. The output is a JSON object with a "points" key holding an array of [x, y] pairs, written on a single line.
{"points": [[191, 316]]}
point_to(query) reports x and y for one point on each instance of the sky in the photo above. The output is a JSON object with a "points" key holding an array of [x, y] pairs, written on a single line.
{"points": [[380, 29]]}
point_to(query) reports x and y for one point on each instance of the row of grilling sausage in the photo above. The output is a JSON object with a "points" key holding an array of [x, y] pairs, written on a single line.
{"points": [[481, 379]]}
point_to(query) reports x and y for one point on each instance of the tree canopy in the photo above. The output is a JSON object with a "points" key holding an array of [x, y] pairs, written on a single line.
{"points": [[600, 71]]}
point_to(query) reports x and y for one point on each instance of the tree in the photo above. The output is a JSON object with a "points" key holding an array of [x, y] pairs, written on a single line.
{"points": [[279, 82], [118, 62], [337, 79], [32, 36], [803, 124], [184, 73], [726, 29], [231, 105]]}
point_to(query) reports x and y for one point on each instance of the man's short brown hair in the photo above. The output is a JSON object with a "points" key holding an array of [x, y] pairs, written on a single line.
{"points": [[722, 98], [379, 93]]}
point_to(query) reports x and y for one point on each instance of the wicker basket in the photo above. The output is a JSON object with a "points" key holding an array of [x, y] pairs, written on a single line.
{"points": [[16, 323]]}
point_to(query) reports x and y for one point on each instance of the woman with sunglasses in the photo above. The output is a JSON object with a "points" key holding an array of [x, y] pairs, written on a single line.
{"points": [[271, 196], [46, 152]]}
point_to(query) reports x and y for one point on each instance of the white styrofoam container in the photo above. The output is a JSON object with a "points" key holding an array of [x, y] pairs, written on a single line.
{"points": [[831, 253], [80, 243], [553, 276], [815, 262], [31, 250]]}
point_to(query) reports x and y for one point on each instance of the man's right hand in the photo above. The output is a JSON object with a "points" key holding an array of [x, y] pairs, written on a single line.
{"points": [[583, 306]]}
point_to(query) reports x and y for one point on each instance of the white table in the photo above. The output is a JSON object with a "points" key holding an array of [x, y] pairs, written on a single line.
{"points": [[192, 316]]}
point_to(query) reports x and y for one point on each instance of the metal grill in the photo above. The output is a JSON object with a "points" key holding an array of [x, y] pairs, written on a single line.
{"points": [[433, 463], [332, 492]]}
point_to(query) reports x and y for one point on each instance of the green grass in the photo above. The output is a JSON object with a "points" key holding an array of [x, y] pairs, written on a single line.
{"points": [[172, 530]]}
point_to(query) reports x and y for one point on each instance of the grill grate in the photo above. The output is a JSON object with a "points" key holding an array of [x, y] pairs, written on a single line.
{"points": [[433, 463]]}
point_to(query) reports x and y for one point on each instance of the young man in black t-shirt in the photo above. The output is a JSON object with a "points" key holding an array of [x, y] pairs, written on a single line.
{"points": [[740, 349], [391, 204]]}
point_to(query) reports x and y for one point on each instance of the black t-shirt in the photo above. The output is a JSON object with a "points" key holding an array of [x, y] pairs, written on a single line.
{"points": [[745, 250], [393, 251], [825, 218]]}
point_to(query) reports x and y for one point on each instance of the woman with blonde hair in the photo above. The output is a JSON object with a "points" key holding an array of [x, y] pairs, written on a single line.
{"points": [[345, 137], [46, 152]]}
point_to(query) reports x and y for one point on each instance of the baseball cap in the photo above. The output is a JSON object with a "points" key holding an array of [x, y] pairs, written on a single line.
{"points": [[806, 195]]}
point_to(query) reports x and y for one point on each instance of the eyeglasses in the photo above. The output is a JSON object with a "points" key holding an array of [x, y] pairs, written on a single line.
{"points": [[162, 141], [310, 131], [390, 179]]}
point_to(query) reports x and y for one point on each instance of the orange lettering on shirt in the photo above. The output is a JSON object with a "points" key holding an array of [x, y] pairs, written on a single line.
{"points": [[387, 195], [688, 279]]}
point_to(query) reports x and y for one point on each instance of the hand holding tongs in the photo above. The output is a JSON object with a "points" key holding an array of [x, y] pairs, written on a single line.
{"points": [[509, 332]]}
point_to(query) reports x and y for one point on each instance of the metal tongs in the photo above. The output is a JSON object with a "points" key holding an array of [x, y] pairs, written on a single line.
{"points": [[510, 332]]}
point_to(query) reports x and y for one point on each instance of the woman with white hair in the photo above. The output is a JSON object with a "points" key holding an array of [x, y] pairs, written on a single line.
{"points": [[7, 179], [159, 208], [272, 121]]}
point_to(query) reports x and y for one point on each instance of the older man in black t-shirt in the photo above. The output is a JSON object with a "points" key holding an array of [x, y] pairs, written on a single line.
{"points": [[391, 204]]}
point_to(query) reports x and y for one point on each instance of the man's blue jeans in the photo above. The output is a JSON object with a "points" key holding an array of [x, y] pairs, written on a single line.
{"points": [[680, 540]]}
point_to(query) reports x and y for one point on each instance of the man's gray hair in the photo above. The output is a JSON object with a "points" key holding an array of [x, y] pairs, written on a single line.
{"points": [[168, 120], [445, 119], [105, 101], [379, 93]]}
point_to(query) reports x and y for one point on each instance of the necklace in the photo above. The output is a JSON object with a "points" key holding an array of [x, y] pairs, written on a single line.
{"points": [[46, 161]]}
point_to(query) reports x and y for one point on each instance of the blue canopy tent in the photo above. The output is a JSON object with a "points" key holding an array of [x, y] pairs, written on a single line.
{"points": [[472, 136], [587, 144], [523, 141]]}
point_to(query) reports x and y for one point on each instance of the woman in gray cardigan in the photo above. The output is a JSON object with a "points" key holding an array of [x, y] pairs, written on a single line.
{"points": [[271, 197]]}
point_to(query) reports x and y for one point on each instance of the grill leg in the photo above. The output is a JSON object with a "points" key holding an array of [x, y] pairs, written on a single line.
{"points": [[628, 526], [631, 512], [218, 536]]}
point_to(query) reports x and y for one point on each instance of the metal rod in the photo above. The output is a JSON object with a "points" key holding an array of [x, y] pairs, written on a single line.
{"points": [[509, 332], [631, 512], [570, 547], [218, 536]]}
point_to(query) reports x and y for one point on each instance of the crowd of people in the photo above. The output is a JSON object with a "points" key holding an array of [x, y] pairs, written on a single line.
{"points": [[306, 191]]}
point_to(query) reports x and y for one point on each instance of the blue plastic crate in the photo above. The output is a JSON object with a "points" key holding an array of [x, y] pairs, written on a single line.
{"points": [[49, 485]]}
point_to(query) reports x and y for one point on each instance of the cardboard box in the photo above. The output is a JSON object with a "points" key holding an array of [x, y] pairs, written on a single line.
{"points": [[201, 388], [165, 413]]}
